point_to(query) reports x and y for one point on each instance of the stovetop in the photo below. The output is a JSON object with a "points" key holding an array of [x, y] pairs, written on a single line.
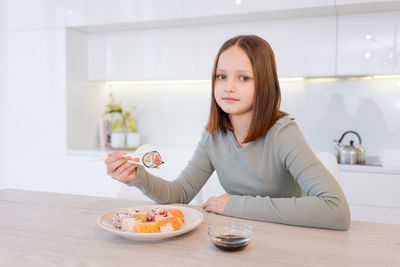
{"points": [[370, 161]]}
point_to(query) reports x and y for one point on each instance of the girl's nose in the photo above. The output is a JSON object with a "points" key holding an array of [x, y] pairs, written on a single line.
{"points": [[230, 87]]}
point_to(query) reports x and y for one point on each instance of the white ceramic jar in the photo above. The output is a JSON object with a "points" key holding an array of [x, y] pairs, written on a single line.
{"points": [[132, 140]]}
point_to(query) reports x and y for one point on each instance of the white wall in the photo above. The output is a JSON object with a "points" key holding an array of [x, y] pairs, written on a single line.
{"points": [[3, 83]]}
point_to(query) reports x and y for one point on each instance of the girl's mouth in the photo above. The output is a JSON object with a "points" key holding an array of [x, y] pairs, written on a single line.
{"points": [[230, 99]]}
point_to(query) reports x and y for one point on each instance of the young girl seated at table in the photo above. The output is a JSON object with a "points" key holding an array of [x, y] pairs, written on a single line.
{"points": [[262, 159]]}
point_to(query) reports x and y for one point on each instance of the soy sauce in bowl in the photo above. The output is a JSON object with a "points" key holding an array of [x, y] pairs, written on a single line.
{"points": [[231, 242], [231, 236]]}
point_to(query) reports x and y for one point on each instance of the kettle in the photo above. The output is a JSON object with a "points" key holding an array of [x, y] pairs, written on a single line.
{"points": [[350, 154]]}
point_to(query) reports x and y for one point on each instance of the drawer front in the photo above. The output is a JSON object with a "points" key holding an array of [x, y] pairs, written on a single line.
{"points": [[371, 189], [375, 214]]}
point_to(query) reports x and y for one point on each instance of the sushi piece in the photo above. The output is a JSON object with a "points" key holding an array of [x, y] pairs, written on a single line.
{"points": [[176, 213], [168, 223], [148, 227], [129, 224], [138, 214], [118, 218], [158, 218], [154, 212], [152, 159]]}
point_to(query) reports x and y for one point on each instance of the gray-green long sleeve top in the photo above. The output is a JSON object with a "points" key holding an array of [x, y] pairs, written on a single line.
{"points": [[276, 178]]}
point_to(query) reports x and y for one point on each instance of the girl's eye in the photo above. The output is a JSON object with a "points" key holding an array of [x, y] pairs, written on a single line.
{"points": [[244, 78], [221, 77]]}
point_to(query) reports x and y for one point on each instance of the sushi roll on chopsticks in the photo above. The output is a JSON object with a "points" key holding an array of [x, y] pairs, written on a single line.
{"points": [[152, 159]]}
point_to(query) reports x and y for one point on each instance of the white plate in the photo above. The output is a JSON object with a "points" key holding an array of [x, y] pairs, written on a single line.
{"points": [[192, 219]]}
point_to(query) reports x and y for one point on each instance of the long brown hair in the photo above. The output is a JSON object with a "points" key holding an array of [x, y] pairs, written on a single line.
{"points": [[267, 97]]}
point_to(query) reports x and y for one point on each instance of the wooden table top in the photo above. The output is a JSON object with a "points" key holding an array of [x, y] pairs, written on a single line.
{"points": [[42, 229]]}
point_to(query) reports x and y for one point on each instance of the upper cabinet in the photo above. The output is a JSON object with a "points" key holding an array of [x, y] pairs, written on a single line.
{"points": [[369, 43], [103, 12], [33, 15], [302, 47], [163, 54], [36, 91], [178, 39], [208, 8], [366, 6]]}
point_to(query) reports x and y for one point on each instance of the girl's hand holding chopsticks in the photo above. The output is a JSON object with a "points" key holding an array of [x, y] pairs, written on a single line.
{"points": [[121, 166]]}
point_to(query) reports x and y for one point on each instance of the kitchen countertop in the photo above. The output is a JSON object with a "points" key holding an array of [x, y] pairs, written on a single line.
{"points": [[40, 229], [384, 165], [370, 169]]}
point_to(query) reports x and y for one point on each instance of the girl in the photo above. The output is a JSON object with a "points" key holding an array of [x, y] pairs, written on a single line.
{"points": [[261, 157]]}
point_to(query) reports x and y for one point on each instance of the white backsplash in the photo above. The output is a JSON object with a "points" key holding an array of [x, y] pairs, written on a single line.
{"points": [[175, 113], [325, 110]]}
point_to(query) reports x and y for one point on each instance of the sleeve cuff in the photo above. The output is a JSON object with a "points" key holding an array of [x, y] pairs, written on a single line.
{"points": [[140, 175]]}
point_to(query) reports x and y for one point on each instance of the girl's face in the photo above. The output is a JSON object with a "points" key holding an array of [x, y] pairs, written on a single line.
{"points": [[234, 83]]}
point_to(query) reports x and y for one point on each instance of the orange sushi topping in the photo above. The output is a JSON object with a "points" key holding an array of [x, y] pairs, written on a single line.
{"points": [[173, 221], [146, 228], [176, 213]]}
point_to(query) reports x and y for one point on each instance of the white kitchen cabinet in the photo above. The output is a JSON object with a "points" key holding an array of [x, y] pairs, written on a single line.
{"points": [[35, 171], [372, 196], [375, 214], [35, 105], [193, 8], [152, 54], [3, 79], [87, 13], [103, 12], [369, 43], [365, 6], [37, 14], [302, 47], [89, 178], [36, 91], [352, 2]]}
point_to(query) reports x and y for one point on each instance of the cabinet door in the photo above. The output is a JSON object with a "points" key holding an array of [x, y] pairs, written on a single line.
{"points": [[302, 47], [36, 91], [86, 178], [35, 104], [365, 6], [372, 197], [159, 54], [204, 8], [3, 83], [371, 189], [103, 12], [375, 214], [369, 43], [38, 14], [35, 171]]}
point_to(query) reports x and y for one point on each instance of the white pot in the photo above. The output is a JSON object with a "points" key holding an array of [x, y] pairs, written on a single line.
{"points": [[132, 140], [117, 140]]}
